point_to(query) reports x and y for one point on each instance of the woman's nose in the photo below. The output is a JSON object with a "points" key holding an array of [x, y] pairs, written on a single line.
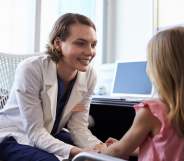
{"points": [[90, 51]]}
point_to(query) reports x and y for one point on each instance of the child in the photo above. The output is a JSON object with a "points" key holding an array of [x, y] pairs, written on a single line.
{"points": [[158, 127]]}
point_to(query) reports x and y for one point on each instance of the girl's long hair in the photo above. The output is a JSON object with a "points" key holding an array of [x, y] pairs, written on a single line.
{"points": [[166, 68]]}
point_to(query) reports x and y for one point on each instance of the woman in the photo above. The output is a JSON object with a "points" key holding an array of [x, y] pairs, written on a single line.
{"points": [[51, 92]]}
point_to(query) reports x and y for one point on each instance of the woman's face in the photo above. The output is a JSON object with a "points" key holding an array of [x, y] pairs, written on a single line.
{"points": [[79, 48]]}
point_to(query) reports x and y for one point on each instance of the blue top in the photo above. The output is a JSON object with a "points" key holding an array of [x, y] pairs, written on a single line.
{"points": [[62, 99]]}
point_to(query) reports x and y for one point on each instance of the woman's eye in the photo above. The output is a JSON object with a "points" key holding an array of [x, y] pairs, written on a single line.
{"points": [[93, 45], [80, 43]]}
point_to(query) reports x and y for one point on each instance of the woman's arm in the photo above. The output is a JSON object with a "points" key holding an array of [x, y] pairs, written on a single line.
{"points": [[29, 84], [78, 123]]}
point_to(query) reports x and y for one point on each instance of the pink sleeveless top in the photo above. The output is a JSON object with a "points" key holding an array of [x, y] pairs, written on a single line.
{"points": [[166, 145]]}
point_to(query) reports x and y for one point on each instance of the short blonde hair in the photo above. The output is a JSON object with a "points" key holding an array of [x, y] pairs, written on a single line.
{"points": [[166, 67], [61, 29]]}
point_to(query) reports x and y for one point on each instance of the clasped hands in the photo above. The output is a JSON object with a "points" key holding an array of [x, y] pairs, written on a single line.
{"points": [[101, 147]]}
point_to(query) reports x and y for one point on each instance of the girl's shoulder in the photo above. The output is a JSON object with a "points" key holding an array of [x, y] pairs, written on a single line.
{"points": [[156, 107]]}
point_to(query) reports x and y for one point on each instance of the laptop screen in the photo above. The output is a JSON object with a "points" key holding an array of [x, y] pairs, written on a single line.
{"points": [[131, 80]]}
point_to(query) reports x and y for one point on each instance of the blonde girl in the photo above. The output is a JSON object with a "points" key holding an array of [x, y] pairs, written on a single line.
{"points": [[158, 127]]}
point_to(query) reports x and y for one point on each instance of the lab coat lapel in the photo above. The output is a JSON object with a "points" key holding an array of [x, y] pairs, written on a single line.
{"points": [[78, 91], [52, 86]]}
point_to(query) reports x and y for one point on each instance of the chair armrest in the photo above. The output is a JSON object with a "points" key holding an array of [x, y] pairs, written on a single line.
{"points": [[92, 156], [3, 100]]}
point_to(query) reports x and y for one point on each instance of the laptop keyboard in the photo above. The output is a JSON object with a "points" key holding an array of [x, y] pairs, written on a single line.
{"points": [[114, 101]]}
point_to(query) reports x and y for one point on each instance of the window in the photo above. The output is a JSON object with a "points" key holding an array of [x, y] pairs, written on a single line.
{"points": [[25, 25], [129, 27], [17, 26], [123, 26], [168, 13]]}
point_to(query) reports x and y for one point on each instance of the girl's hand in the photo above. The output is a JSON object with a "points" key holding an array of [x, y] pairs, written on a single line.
{"points": [[110, 141]]}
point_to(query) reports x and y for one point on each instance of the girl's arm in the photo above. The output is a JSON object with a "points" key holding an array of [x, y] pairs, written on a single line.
{"points": [[144, 125]]}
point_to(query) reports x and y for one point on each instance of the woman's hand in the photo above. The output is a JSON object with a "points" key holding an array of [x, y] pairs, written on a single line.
{"points": [[100, 147], [97, 148], [74, 151]]}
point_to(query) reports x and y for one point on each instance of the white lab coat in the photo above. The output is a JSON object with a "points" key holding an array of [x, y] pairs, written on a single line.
{"points": [[31, 109]]}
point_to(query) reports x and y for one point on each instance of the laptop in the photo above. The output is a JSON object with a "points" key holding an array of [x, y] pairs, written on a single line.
{"points": [[131, 82]]}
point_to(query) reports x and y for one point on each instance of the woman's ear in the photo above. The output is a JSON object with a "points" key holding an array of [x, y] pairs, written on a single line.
{"points": [[57, 43]]}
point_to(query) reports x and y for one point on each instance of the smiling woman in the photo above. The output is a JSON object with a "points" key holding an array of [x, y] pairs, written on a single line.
{"points": [[73, 45], [78, 50], [52, 92]]}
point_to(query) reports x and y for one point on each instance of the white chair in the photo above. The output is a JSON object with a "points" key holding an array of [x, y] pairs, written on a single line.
{"points": [[8, 64], [92, 156]]}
